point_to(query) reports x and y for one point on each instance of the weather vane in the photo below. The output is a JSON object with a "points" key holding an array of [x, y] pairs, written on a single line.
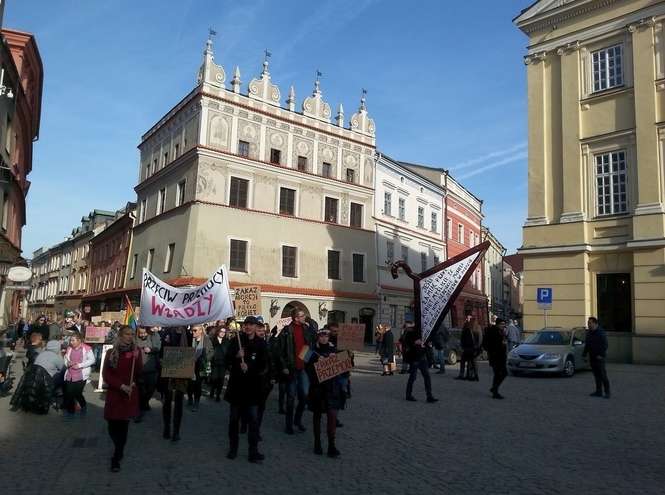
{"points": [[266, 55], [211, 33]]}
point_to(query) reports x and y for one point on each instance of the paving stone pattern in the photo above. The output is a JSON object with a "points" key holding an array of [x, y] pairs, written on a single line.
{"points": [[546, 437]]}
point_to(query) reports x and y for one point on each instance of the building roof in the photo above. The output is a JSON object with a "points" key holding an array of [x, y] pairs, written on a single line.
{"points": [[426, 168], [516, 261]]}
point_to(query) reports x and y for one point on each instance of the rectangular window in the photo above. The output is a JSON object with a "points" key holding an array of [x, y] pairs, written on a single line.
{"points": [[460, 233], [331, 210], [333, 265], [387, 204], [421, 217], [435, 222], [390, 251], [176, 150], [611, 186], [243, 148], [142, 211], [436, 260], [423, 261], [238, 256], [5, 210], [607, 68], [154, 166], [350, 175], [168, 262], [405, 253], [356, 215], [238, 192], [302, 163], [135, 262], [180, 193], [149, 259], [275, 156], [326, 169], [8, 136], [449, 228], [358, 267], [289, 254], [287, 201], [476, 239], [166, 159], [614, 301], [161, 201], [401, 208], [148, 169]]}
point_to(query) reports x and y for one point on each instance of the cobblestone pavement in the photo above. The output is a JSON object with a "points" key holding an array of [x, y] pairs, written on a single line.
{"points": [[547, 437]]}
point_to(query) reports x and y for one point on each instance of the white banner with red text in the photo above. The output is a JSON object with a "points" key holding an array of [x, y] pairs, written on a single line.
{"points": [[166, 306]]}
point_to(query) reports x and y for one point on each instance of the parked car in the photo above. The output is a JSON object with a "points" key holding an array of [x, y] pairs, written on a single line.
{"points": [[550, 350]]}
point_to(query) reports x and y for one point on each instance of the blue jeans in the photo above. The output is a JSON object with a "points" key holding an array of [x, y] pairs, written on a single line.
{"points": [[297, 386], [441, 358]]}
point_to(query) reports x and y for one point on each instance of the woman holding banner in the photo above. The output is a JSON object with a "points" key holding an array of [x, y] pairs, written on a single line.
{"points": [[122, 367], [327, 397]]}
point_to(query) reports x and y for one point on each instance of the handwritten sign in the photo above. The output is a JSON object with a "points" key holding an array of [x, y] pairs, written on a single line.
{"points": [[96, 335], [248, 301], [100, 383], [437, 289], [283, 322], [178, 362], [96, 319], [351, 336], [330, 367], [165, 306], [113, 316]]}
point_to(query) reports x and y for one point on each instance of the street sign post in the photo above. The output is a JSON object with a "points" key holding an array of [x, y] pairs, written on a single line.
{"points": [[544, 300]]}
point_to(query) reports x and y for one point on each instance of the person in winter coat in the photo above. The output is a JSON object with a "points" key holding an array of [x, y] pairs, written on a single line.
{"points": [[51, 359], [387, 350], [247, 358], [596, 349], [326, 397], [122, 368], [415, 354], [79, 360], [218, 366], [203, 354], [292, 340], [149, 343], [40, 326], [439, 340], [495, 345], [470, 341], [174, 389], [269, 378], [36, 389]]}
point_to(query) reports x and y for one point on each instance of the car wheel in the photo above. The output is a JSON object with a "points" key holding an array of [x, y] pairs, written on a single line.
{"points": [[452, 358], [515, 373], [569, 367]]}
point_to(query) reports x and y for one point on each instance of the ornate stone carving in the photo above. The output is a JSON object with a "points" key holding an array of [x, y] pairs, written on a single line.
{"points": [[314, 106], [360, 121], [263, 89], [218, 132]]}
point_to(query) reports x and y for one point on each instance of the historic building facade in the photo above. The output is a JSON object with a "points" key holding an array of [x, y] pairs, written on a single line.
{"points": [[408, 211], [21, 78], [595, 231], [282, 197], [494, 274]]}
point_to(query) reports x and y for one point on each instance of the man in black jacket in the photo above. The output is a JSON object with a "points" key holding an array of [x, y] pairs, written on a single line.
{"points": [[249, 364], [415, 355], [596, 348], [495, 344]]}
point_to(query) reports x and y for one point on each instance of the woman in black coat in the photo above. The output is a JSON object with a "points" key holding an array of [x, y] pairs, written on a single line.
{"points": [[387, 349], [324, 398], [219, 343]]}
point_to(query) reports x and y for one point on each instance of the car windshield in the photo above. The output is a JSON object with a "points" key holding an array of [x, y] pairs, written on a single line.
{"points": [[549, 338]]}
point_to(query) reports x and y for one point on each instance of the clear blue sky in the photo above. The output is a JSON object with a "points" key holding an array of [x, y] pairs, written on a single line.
{"points": [[445, 80]]}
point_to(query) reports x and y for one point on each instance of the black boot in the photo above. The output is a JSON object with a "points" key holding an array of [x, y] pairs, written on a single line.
{"points": [[318, 450], [332, 450]]}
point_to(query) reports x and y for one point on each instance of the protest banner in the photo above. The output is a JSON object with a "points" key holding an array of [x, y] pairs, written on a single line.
{"points": [[351, 336], [247, 301], [178, 362], [96, 319], [283, 322], [166, 306], [330, 367], [96, 335], [100, 383]]}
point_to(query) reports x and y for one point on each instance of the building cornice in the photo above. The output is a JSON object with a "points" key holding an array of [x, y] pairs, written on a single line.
{"points": [[554, 16], [421, 234]]}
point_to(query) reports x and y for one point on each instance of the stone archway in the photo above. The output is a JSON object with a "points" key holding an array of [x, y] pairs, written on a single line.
{"points": [[294, 305]]}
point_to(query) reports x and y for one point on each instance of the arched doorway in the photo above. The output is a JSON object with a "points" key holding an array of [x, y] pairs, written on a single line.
{"points": [[294, 305]]}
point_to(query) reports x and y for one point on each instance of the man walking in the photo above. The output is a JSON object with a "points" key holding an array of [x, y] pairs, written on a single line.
{"points": [[513, 335], [596, 349], [415, 355], [291, 342], [494, 344], [440, 342]]}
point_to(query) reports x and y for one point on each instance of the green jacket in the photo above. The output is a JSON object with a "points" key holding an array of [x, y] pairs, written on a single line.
{"points": [[285, 353]]}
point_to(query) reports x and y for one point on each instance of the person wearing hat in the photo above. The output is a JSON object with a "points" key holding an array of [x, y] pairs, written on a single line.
{"points": [[247, 358], [327, 397]]}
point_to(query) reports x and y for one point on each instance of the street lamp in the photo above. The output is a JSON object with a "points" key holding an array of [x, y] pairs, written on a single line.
{"points": [[5, 90]]}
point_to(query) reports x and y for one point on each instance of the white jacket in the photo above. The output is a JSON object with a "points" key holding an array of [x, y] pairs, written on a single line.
{"points": [[85, 366]]}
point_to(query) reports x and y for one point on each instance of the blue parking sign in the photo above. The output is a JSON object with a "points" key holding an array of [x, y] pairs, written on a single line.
{"points": [[544, 295]]}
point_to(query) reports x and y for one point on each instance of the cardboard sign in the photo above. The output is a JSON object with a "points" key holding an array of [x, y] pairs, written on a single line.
{"points": [[165, 306], [178, 362], [330, 367], [113, 316], [96, 335], [96, 319], [283, 322], [351, 336], [248, 301]]}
